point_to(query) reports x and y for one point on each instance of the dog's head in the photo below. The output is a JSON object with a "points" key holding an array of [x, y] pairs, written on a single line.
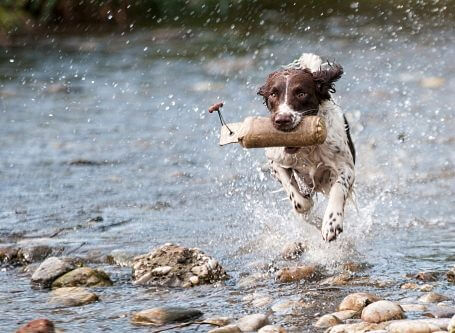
{"points": [[291, 94]]}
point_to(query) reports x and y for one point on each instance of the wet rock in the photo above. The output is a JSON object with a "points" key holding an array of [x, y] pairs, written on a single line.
{"points": [[432, 298], [251, 280], [451, 326], [451, 275], [381, 311], [37, 326], [357, 328], [73, 296], [51, 269], [176, 266], [218, 321], [327, 320], [23, 256], [252, 322], [337, 280], [440, 312], [412, 326], [426, 287], [293, 250], [226, 329], [164, 316], [413, 307], [427, 276], [83, 276], [293, 274], [346, 314], [272, 329], [409, 285], [357, 301]]}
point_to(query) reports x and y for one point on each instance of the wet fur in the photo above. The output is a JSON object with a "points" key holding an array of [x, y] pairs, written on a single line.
{"points": [[327, 168]]}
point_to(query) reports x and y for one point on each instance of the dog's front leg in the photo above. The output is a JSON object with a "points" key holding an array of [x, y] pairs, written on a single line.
{"points": [[332, 223], [301, 201]]}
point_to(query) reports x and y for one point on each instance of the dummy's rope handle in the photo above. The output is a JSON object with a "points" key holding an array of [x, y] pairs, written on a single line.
{"points": [[217, 107]]}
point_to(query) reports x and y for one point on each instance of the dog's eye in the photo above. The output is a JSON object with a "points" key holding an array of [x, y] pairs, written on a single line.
{"points": [[274, 94], [301, 95]]}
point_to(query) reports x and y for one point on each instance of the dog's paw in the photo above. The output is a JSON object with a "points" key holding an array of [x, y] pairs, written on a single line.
{"points": [[332, 225], [300, 203]]}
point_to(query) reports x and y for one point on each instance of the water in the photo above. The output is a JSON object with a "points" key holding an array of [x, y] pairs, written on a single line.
{"points": [[116, 126]]}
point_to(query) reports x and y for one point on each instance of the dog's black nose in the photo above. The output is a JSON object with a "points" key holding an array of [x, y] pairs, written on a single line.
{"points": [[283, 119]]}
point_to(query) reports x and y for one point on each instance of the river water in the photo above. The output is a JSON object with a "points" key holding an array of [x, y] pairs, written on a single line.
{"points": [[115, 125]]}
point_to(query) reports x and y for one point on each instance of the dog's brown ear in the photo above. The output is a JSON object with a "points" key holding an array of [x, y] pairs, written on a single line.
{"points": [[325, 80]]}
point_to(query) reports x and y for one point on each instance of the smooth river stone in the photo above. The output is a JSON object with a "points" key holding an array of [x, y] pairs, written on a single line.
{"points": [[357, 328], [83, 276], [252, 322], [272, 329], [432, 298], [73, 296], [413, 307], [327, 320], [37, 326], [52, 268], [226, 329], [451, 326], [412, 326], [380, 311], [293, 274], [357, 301], [164, 316]]}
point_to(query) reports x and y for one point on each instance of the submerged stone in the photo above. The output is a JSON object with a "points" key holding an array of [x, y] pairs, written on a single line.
{"points": [[164, 315], [73, 296], [293, 274], [51, 269]]}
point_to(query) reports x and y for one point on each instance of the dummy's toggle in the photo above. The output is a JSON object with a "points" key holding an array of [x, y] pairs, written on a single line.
{"points": [[258, 132]]}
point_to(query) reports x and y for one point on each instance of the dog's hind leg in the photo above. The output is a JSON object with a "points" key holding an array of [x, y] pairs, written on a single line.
{"points": [[300, 198]]}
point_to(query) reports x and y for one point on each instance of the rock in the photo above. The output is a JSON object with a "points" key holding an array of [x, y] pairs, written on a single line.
{"points": [[451, 275], [412, 326], [345, 314], [218, 321], [327, 320], [357, 301], [287, 306], [451, 326], [73, 296], [440, 312], [357, 328], [293, 274], [409, 285], [51, 269], [381, 311], [427, 276], [252, 322], [426, 287], [37, 326], [164, 316], [413, 307], [172, 265], [226, 329], [23, 256], [272, 329], [293, 250], [432, 298], [337, 280], [83, 276]]}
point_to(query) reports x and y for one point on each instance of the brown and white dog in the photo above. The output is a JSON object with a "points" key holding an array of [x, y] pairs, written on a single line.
{"points": [[304, 88]]}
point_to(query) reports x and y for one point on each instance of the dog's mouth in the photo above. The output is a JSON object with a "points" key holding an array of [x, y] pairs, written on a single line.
{"points": [[291, 150]]}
